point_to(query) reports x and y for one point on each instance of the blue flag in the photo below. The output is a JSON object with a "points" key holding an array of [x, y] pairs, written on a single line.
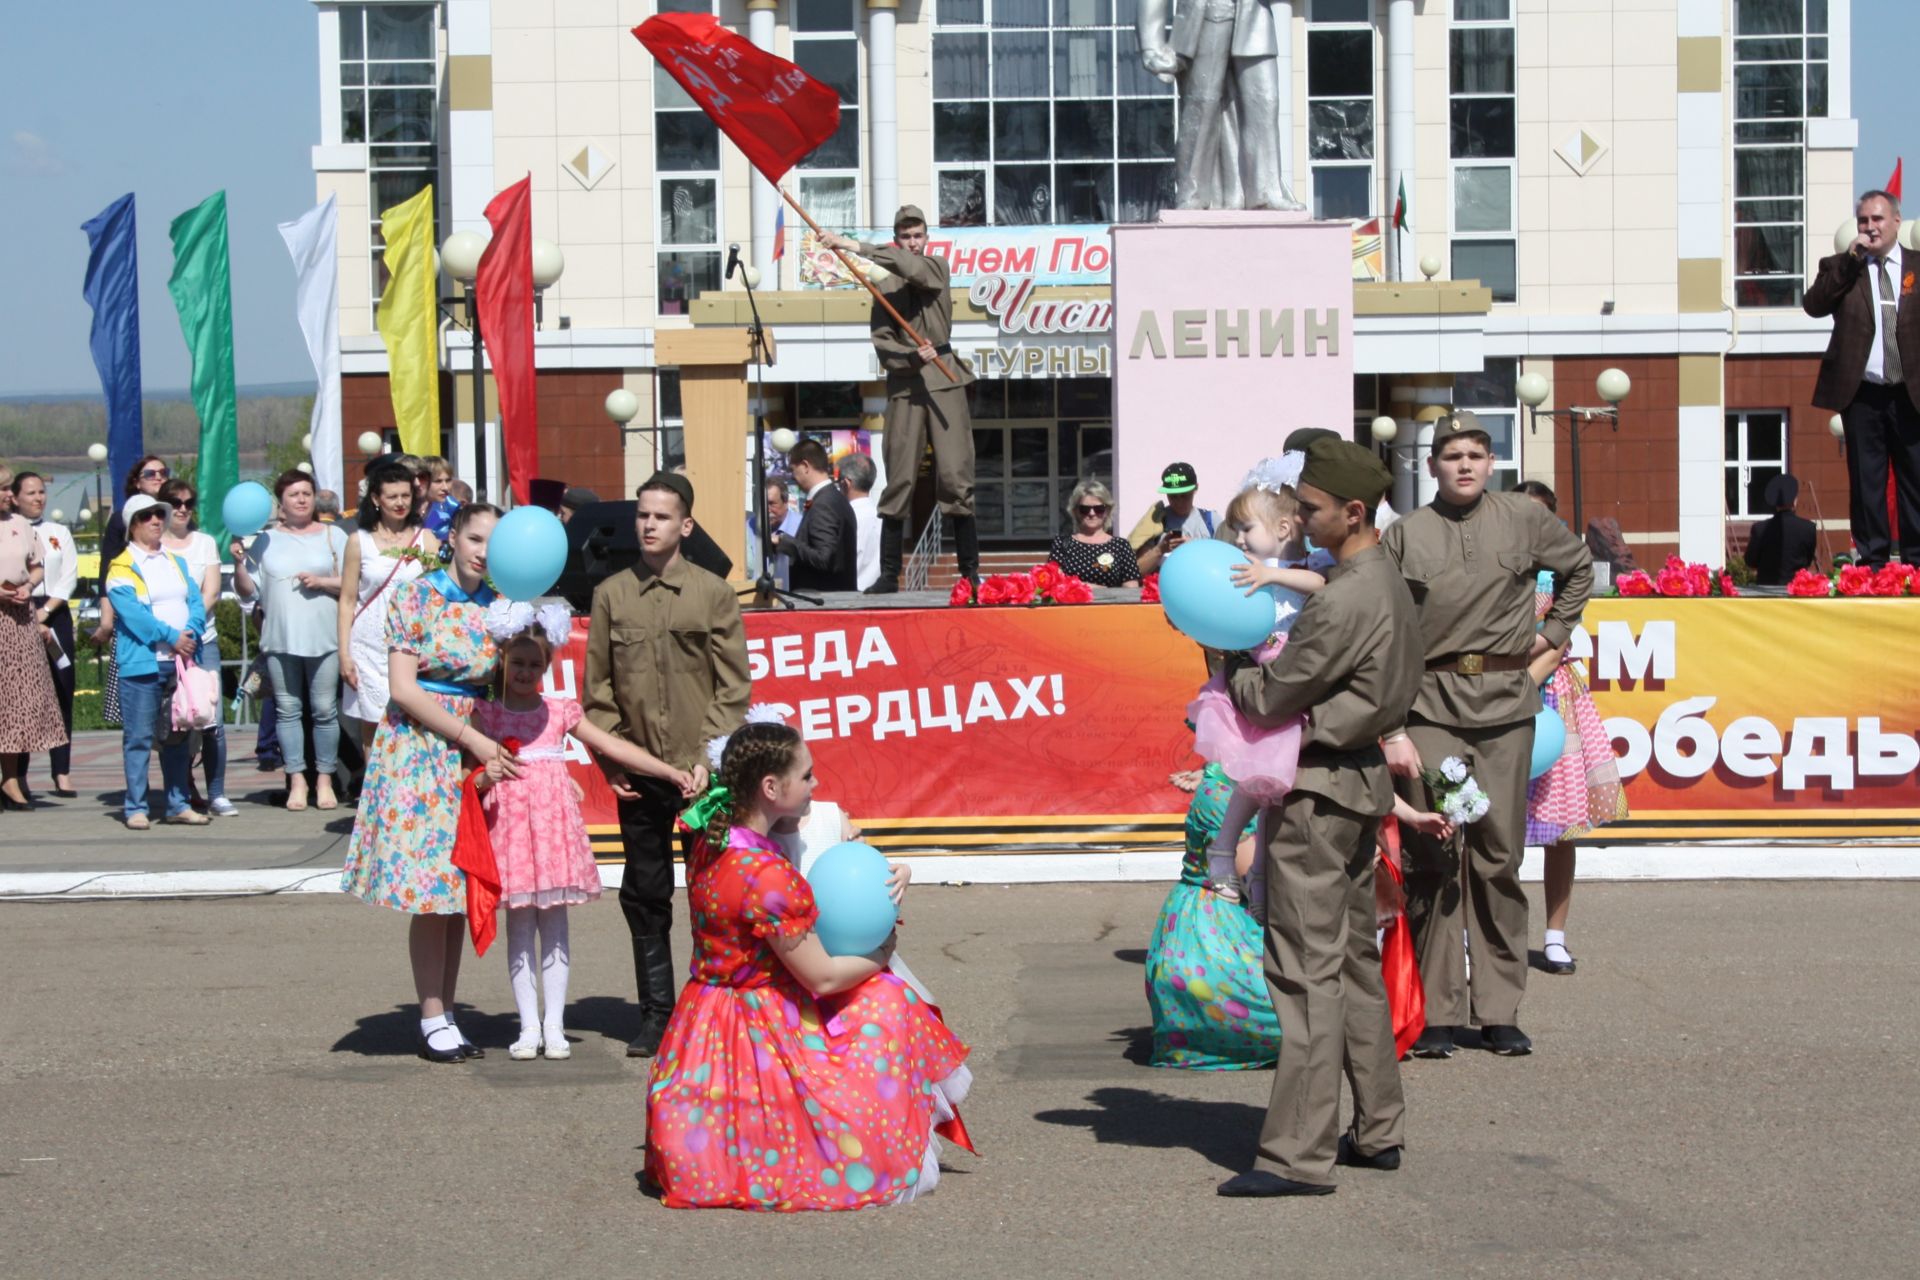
{"points": [[113, 291]]}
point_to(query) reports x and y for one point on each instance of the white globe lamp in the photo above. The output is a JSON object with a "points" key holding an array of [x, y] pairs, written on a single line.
{"points": [[370, 443], [622, 405], [1613, 385], [1534, 389], [548, 262], [1384, 429], [783, 439], [97, 452], [1836, 425], [1429, 266], [460, 255]]}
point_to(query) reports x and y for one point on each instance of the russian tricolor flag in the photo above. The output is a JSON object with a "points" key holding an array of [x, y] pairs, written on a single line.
{"points": [[780, 233]]}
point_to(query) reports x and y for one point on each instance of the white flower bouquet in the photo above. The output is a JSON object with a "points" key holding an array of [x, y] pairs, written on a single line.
{"points": [[1456, 794]]}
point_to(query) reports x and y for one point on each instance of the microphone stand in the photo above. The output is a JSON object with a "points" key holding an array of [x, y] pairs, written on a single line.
{"points": [[765, 590]]}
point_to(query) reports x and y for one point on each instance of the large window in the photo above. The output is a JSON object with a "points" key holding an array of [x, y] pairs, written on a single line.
{"points": [[686, 161], [1042, 113], [1340, 99], [389, 100], [1779, 81], [1756, 454], [1480, 128], [1493, 395], [1033, 440], [826, 48]]}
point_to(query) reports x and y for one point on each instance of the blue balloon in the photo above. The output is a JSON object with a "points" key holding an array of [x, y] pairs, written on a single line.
{"points": [[526, 553], [850, 888], [246, 509], [1549, 740], [1201, 600]]}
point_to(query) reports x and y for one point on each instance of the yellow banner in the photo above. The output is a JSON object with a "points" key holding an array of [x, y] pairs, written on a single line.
{"points": [[1752, 719], [407, 323]]}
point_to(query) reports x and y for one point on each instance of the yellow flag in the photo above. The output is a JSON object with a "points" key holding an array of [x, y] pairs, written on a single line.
{"points": [[407, 325]]}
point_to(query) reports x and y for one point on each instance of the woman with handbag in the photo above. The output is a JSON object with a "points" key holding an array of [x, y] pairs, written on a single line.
{"points": [[29, 710], [295, 566], [184, 539], [158, 619], [146, 476], [391, 547]]}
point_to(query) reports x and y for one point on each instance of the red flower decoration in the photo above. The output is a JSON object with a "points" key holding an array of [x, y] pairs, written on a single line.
{"points": [[1727, 587], [995, 590], [1020, 588], [1150, 589], [1811, 584], [1673, 581], [1072, 591], [512, 745], [1636, 583], [1886, 583], [1046, 577], [1855, 580], [962, 593]]}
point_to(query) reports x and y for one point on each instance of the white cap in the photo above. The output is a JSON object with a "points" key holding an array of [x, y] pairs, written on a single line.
{"points": [[140, 502]]}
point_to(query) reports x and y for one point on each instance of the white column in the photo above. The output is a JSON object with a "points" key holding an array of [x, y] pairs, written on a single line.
{"points": [[764, 200], [1400, 259], [1283, 30], [883, 112]]}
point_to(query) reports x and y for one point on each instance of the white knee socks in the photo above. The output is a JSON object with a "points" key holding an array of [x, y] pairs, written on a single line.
{"points": [[553, 969], [552, 925], [520, 926]]}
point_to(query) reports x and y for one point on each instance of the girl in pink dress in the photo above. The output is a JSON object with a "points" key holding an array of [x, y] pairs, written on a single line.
{"points": [[539, 838], [1264, 518]]}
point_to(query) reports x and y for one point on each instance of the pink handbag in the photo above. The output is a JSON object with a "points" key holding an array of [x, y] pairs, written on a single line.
{"points": [[196, 696]]}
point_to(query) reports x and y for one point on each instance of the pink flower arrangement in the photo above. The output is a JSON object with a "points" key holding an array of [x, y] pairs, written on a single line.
{"points": [[1810, 584], [1677, 578], [1043, 584]]}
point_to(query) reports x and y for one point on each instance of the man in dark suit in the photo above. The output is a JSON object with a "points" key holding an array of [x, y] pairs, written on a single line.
{"points": [[825, 549], [1783, 544], [1870, 375]]}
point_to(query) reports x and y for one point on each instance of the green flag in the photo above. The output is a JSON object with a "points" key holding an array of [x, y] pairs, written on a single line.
{"points": [[202, 289]]}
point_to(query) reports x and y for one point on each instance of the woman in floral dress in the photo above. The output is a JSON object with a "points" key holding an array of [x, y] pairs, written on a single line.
{"points": [[441, 660]]}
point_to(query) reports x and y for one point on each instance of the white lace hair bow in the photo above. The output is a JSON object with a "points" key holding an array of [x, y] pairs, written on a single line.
{"points": [[508, 618], [1275, 474], [758, 713]]}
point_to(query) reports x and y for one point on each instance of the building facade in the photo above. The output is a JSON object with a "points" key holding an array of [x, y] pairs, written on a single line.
{"points": [[1640, 184]]}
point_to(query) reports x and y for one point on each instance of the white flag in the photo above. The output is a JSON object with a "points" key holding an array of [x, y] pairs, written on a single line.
{"points": [[313, 240]]}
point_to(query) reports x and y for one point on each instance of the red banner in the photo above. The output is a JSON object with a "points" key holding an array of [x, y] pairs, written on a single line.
{"points": [[775, 113], [503, 288]]}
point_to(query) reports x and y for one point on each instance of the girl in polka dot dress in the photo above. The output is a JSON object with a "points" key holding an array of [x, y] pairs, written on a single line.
{"points": [[789, 1078]]}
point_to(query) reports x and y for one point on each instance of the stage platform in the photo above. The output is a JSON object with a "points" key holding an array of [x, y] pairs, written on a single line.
{"points": [[855, 600]]}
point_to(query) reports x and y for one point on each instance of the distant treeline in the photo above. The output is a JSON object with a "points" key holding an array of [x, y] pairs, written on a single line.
{"points": [[61, 430]]}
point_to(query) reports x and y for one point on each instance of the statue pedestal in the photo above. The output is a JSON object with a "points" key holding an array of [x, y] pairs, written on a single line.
{"points": [[1230, 329]]}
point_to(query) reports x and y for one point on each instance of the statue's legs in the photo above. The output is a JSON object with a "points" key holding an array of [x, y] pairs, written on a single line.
{"points": [[1256, 85], [1203, 97]]}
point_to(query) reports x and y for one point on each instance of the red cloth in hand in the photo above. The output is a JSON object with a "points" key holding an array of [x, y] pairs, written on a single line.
{"points": [[473, 854], [1406, 998]]}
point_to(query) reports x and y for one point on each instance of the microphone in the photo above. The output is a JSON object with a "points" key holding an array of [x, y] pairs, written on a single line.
{"points": [[733, 260]]}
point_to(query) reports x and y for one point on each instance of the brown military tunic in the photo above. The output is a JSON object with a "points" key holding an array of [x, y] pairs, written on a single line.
{"points": [[1472, 572], [1353, 666], [924, 406]]}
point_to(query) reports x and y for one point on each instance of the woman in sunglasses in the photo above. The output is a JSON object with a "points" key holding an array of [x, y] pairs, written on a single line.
{"points": [[146, 476], [184, 539], [1091, 552]]}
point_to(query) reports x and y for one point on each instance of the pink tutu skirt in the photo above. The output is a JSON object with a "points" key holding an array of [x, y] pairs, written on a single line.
{"points": [[1261, 762]]}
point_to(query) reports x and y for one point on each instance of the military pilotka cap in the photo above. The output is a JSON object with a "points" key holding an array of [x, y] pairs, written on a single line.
{"points": [[675, 481], [1457, 422], [908, 216], [1297, 441], [1346, 470]]}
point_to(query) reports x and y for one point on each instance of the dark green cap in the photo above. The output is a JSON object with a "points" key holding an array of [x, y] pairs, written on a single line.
{"points": [[673, 482], [1457, 422], [1300, 439], [1346, 470]]}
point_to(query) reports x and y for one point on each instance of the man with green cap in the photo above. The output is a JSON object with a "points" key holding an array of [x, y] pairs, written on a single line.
{"points": [[1172, 520], [1383, 513], [1471, 559], [1352, 665], [924, 405]]}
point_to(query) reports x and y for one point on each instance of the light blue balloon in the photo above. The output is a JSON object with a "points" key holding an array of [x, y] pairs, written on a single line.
{"points": [[526, 552], [1549, 740], [1197, 591], [246, 509], [850, 888]]}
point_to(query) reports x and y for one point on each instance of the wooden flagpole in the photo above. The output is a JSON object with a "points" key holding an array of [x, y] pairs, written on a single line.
{"points": [[860, 275]]}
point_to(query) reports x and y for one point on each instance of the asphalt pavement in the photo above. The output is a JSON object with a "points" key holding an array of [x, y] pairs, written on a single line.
{"points": [[228, 1088]]}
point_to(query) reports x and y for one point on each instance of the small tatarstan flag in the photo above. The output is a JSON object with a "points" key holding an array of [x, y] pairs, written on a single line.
{"points": [[1400, 206]]}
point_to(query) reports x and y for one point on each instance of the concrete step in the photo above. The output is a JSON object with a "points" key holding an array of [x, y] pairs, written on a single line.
{"points": [[946, 570]]}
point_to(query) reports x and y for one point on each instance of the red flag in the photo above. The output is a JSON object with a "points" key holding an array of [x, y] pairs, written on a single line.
{"points": [[1406, 997], [1893, 183], [775, 113], [473, 854], [504, 288]]}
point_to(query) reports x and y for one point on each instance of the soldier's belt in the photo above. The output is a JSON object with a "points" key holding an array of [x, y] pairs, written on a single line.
{"points": [[1474, 664]]}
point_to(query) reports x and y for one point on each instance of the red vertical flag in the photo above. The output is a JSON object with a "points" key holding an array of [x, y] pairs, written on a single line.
{"points": [[775, 113], [1893, 183], [504, 288]]}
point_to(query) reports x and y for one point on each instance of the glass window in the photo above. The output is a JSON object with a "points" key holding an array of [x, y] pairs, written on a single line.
{"points": [[1756, 454], [963, 197], [1483, 198], [1340, 11], [1340, 129], [390, 100], [1482, 127], [685, 140], [834, 63], [1341, 192], [1482, 60], [1339, 63], [1491, 262], [960, 131], [960, 65], [1340, 110], [684, 277], [961, 13], [1020, 130], [1146, 130], [1780, 80], [823, 15], [688, 208], [1483, 10], [1084, 130]]}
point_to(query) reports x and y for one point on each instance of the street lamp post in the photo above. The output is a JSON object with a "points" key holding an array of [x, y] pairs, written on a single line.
{"points": [[1612, 386], [460, 255], [97, 452]]}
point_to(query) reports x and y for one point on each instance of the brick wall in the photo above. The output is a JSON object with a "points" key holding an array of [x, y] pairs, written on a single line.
{"points": [[1631, 474]]}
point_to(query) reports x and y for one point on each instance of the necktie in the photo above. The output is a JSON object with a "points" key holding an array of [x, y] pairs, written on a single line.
{"points": [[1889, 315]]}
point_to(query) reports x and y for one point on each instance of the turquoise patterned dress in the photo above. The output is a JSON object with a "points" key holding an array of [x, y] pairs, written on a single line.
{"points": [[1205, 982], [401, 855]]}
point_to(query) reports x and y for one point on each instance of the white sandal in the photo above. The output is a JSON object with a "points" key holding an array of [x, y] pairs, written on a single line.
{"points": [[554, 1042], [526, 1048]]}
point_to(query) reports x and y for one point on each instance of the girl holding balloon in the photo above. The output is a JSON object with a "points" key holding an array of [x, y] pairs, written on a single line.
{"points": [[790, 1077], [540, 841], [1265, 519]]}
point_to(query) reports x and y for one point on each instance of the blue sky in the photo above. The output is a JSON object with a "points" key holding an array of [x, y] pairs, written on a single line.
{"points": [[175, 101]]}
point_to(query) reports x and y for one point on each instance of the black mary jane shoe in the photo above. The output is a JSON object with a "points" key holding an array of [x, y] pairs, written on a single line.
{"points": [[1259, 1184], [470, 1049], [431, 1054]]}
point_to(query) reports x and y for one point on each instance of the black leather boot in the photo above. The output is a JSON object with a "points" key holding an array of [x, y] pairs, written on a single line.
{"points": [[653, 975], [966, 547], [893, 543]]}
